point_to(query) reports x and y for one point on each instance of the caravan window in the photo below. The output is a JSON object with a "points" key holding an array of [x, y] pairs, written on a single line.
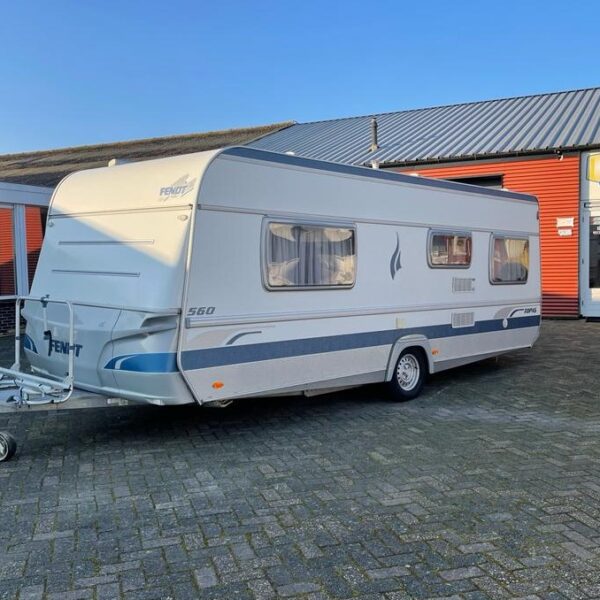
{"points": [[449, 249], [309, 256], [509, 260]]}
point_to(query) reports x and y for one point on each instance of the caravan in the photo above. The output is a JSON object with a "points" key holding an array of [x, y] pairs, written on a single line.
{"points": [[238, 273]]}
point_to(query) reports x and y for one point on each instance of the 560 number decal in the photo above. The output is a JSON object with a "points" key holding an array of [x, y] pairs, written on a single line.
{"points": [[199, 311]]}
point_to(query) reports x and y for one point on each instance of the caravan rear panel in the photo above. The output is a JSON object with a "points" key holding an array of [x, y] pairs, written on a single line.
{"points": [[116, 246]]}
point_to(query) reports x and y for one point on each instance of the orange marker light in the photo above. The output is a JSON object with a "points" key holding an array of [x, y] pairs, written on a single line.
{"points": [[217, 385], [435, 351]]}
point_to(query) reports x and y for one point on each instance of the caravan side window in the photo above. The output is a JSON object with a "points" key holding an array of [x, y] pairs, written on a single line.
{"points": [[309, 256], [509, 260], [449, 249]]}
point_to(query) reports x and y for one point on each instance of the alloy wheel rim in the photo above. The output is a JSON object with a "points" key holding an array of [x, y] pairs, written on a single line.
{"points": [[3, 447], [408, 372]]}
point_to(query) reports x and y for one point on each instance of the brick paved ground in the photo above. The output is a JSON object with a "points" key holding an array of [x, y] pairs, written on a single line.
{"points": [[488, 486]]}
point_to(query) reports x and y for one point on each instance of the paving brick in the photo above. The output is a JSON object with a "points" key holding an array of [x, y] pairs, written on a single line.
{"points": [[205, 577], [462, 573], [31, 592], [295, 589], [386, 572], [108, 591], [477, 547], [262, 589], [579, 551]]}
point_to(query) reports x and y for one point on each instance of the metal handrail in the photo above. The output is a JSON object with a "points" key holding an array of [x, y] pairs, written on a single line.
{"points": [[69, 380]]}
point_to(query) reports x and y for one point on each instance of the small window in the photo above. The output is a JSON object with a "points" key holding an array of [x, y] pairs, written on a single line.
{"points": [[510, 260], [449, 249], [309, 256]]}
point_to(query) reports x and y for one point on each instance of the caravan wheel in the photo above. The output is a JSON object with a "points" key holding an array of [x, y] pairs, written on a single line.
{"points": [[409, 375], [8, 446]]}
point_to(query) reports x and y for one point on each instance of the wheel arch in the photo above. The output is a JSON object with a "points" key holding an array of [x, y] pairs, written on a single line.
{"points": [[401, 344]]}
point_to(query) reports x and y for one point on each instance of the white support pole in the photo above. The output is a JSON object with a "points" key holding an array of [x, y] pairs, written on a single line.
{"points": [[20, 246]]}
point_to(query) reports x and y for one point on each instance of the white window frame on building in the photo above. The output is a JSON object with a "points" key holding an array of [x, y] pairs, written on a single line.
{"points": [[17, 198]]}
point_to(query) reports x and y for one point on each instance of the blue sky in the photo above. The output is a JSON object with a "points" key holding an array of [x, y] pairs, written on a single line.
{"points": [[85, 72]]}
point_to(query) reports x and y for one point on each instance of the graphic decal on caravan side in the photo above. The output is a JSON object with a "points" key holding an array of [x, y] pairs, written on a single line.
{"points": [[29, 344], [229, 355], [395, 265], [151, 362]]}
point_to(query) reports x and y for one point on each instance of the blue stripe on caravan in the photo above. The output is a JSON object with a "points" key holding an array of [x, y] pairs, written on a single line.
{"points": [[151, 362], [29, 344], [229, 355]]}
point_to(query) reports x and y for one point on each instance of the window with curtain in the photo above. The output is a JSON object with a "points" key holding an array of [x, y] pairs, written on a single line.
{"points": [[510, 260], [449, 249], [300, 256]]}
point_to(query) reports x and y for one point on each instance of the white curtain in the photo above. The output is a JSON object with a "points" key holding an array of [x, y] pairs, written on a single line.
{"points": [[303, 255], [511, 260]]}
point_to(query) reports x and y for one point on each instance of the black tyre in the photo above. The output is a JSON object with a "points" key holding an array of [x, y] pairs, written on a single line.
{"points": [[8, 446], [409, 375]]}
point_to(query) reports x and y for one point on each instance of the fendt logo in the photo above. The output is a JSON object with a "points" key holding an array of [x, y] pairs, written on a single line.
{"points": [[177, 189], [60, 347]]}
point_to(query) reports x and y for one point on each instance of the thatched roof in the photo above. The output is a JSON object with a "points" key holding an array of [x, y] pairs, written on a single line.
{"points": [[48, 167]]}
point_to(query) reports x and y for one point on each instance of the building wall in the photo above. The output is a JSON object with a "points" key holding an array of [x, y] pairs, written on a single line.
{"points": [[7, 270], [7, 316], [555, 182], [34, 232], [7, 253], [34, 217]]}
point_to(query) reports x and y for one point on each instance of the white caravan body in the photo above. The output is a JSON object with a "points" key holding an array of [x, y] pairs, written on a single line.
{"points": [[168, 266]]}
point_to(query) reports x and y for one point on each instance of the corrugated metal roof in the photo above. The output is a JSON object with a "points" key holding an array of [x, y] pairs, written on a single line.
{"points": [[526, 124]]}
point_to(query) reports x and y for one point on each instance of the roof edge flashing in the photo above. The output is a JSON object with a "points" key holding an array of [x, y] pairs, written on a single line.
{"points": [[310, 163], [542, 153]]}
